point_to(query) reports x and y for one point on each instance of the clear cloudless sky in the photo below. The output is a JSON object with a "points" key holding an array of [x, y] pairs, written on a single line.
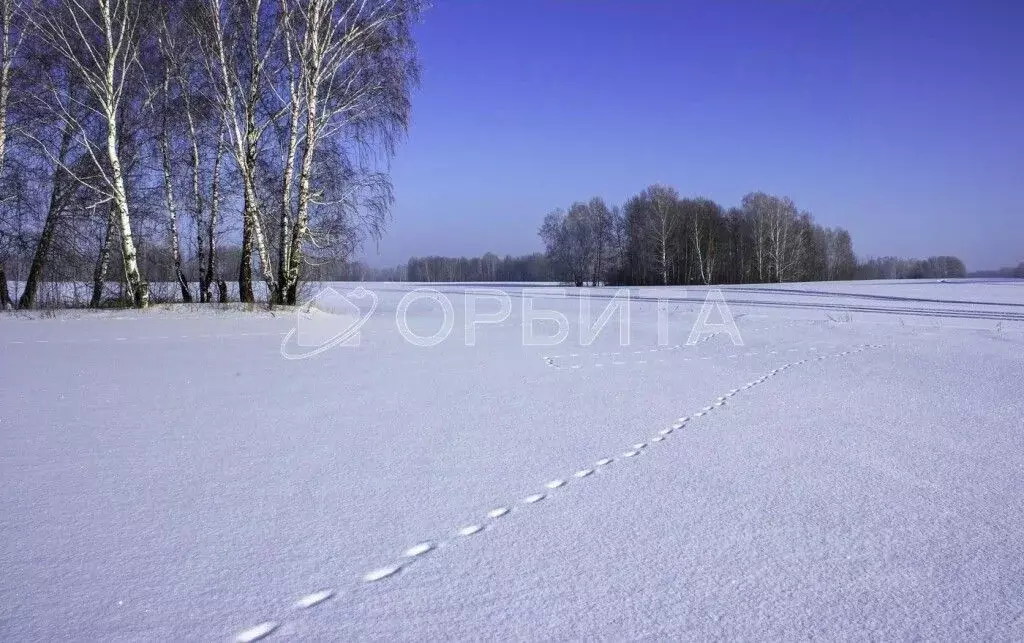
{"points": [[901, 121]]}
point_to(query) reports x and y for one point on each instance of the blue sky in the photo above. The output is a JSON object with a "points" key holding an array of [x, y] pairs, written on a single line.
{"points": [[900, 121]]}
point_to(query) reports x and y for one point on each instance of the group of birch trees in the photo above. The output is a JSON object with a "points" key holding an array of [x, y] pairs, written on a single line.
{"points": [[170, 126], [659, 238]]}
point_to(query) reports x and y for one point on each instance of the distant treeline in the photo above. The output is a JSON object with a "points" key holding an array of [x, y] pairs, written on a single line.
{"points": [[658, 238], [897, 268], [536, 267], [1008, 272]]}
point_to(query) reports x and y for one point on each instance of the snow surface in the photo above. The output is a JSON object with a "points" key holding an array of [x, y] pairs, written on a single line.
{"points": [[853, 470]]}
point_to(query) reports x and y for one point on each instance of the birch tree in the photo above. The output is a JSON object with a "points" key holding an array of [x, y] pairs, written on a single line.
{"points": [[99, 40], [784, 237], [9, 42], [239, 41], [357, 66], [602, 221], [706, 216], [664, 225], [163, 108], [755, 209]]}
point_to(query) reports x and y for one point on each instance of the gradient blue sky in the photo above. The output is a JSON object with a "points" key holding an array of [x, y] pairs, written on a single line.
{"points": [[900, 121]]}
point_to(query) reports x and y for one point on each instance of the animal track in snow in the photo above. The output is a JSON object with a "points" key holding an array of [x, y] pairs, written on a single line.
{"points": [[418, 550], [265, 628], [382, 573], [313, 599], [256, 632], [616, 357]]}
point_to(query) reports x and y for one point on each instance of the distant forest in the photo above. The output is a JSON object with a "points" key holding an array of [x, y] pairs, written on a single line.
{"points": [[658, 238], [1004, 273]]}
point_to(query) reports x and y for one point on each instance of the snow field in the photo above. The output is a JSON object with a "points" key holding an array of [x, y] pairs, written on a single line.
{"points": [[171, 476]]}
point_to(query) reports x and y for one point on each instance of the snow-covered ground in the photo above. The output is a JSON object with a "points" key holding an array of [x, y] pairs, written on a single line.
{"points": [[853, 470]]}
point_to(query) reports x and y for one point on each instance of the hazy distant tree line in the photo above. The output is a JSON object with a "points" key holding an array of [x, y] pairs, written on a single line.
{"points": [[897, 268], [136, 137], [489, 267], [1016, 272]]}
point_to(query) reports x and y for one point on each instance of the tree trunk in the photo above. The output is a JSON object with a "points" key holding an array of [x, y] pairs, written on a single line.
{"points": [[212, 267], [172, 210], [250, 219], [28, 296], [99, 275], [204, 294], [197, 199], [664, 261], [251, 152], [302, 217], [266, 265], [6, 59], [252, 232], [5, 294], [5, 89], [311, 88], [57, 204], [209, 272], [245, 294], [284, 290]]}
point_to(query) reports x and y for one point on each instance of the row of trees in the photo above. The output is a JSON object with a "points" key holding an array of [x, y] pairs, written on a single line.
{"points": [[130, 123], [537, 267], [944, 267], [1009, 272], [657, 237], [489, 267]]}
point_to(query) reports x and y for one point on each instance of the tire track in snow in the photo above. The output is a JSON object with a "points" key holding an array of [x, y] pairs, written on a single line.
{"points": [[425, 547]]}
